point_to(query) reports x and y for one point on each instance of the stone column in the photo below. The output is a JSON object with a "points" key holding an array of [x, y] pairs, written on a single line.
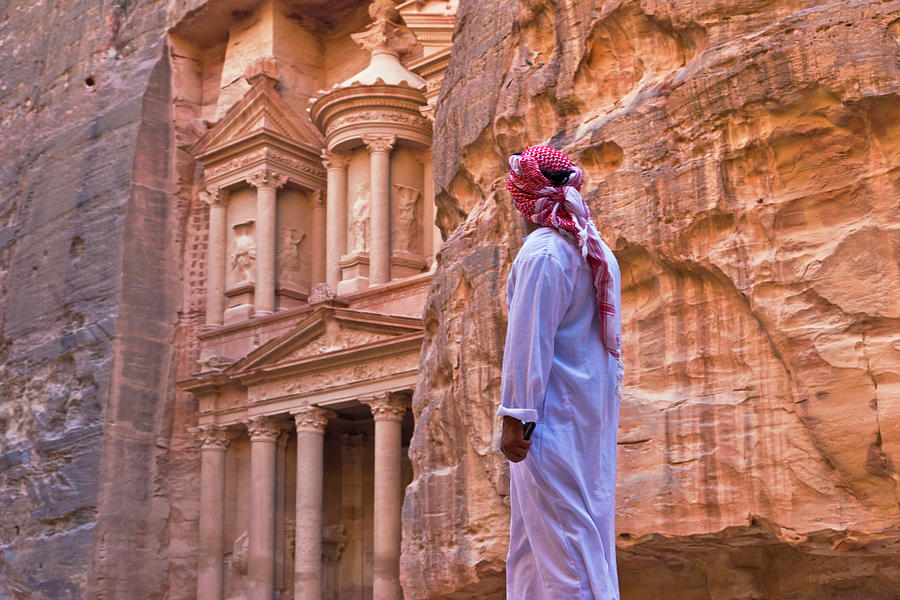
{"points": [[387, 410], [431, 235], [310, 422], [317, 199], [336, 215], [211, 551], [380, 216], [217, 199], [266, 183], [261, 555]]}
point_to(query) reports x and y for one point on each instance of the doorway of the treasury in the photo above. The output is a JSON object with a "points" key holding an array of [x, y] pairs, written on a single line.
{"points": [[350, 481]]}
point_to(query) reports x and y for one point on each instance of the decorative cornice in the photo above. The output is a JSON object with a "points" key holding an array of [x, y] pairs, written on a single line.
{"points": [[379, 143], [262, 429], [267, 178], [312, 419], [387, 407], [211, 437], [214, 196]]}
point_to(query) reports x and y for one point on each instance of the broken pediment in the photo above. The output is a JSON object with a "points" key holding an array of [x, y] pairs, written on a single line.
{"points": [[261, 112], [332, 335]]}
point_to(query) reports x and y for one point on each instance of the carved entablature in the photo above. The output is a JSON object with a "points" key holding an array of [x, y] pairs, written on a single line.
{"points": [[261, 132], [333, 354]]}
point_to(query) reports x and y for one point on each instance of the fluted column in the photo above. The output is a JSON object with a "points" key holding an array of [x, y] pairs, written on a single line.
{"points": [[317, 199], [336, 215], [387, 410], [380, 216], [310, 423], [266, 183], [261, 556], [217, 199], [211, 551]]}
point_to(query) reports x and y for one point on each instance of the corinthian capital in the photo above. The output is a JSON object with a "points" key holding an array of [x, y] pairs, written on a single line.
{"points": [[211, 437], [312, 419], [379, 143], [266, 178], [387, 406], [214, 196], [334, 160], [262, 429]]}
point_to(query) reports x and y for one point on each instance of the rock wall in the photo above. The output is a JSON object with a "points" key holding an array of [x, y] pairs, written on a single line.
{"points": [[742, 160], [89, 294]]}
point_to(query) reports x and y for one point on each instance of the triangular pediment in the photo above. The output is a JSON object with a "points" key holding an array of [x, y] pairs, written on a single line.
{"points": [[329, 332], [262, 110]]}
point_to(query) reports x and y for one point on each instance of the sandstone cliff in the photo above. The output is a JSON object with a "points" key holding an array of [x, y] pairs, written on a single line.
{"points": [[88, 298], [742, 160]]}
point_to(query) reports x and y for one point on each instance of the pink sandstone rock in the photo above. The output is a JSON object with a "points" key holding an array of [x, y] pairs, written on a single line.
{"points": [[742, 160]]}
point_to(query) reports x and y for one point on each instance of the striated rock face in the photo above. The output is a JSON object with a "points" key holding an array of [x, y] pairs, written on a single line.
{"points": [[742, 160], [88, 299]]}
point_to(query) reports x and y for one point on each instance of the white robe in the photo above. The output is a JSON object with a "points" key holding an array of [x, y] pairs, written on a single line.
{"points": [[557, 372]]}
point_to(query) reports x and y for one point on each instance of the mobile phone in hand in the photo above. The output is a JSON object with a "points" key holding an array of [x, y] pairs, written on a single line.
{"points": [[529, 428]]}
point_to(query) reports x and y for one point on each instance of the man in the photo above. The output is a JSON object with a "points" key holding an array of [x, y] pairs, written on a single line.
{"points": [[561, 370]]}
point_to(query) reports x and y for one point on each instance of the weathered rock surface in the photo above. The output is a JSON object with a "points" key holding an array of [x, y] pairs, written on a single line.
{"points": [[742, 159], [88, 300]]}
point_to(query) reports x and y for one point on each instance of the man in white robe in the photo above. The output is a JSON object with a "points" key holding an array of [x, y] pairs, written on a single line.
{"points": [[561, 370]]}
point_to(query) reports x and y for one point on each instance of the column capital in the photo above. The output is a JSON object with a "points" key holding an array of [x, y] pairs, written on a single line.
{"points": [[262, 429], [211, 437], [214, 196], [266, 178], [424, 157], [317, 198], [379, 142], [334, 160], [387, 406], [312, 419]]}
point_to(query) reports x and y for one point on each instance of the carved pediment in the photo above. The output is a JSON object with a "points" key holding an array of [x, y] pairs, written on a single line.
{"points": [[262, 110], [330, 333]]}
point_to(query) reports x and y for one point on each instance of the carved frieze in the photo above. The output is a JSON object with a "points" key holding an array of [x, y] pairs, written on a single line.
{"points": [[321, 380]]}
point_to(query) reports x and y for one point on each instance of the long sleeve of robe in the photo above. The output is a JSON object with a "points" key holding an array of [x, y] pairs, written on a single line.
{"points": [[557, 372]]}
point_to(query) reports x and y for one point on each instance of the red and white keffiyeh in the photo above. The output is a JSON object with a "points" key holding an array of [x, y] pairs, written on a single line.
{"points": [[563, 208]]}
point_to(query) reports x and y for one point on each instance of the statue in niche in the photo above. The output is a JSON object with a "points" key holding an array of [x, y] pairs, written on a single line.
{"points": [[289, 255], [243, 256], [405, 217], [358, 225]]}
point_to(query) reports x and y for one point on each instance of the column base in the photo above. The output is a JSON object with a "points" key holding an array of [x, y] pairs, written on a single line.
{"points": [[355, 273], [406, 264]]}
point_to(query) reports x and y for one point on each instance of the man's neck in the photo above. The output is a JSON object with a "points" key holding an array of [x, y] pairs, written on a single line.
{"points": [[530, 227]]}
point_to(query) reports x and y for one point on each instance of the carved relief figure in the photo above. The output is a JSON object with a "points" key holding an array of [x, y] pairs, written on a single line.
{"points": [[358, 221], [289, 254], [243, 256], [405, 217]]}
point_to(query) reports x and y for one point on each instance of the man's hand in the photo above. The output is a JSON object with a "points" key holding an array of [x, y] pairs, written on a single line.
{"points": [[512, 441]]}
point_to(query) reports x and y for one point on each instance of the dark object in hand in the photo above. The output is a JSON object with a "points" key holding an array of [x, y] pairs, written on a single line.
{"points": [[529, 428]]}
